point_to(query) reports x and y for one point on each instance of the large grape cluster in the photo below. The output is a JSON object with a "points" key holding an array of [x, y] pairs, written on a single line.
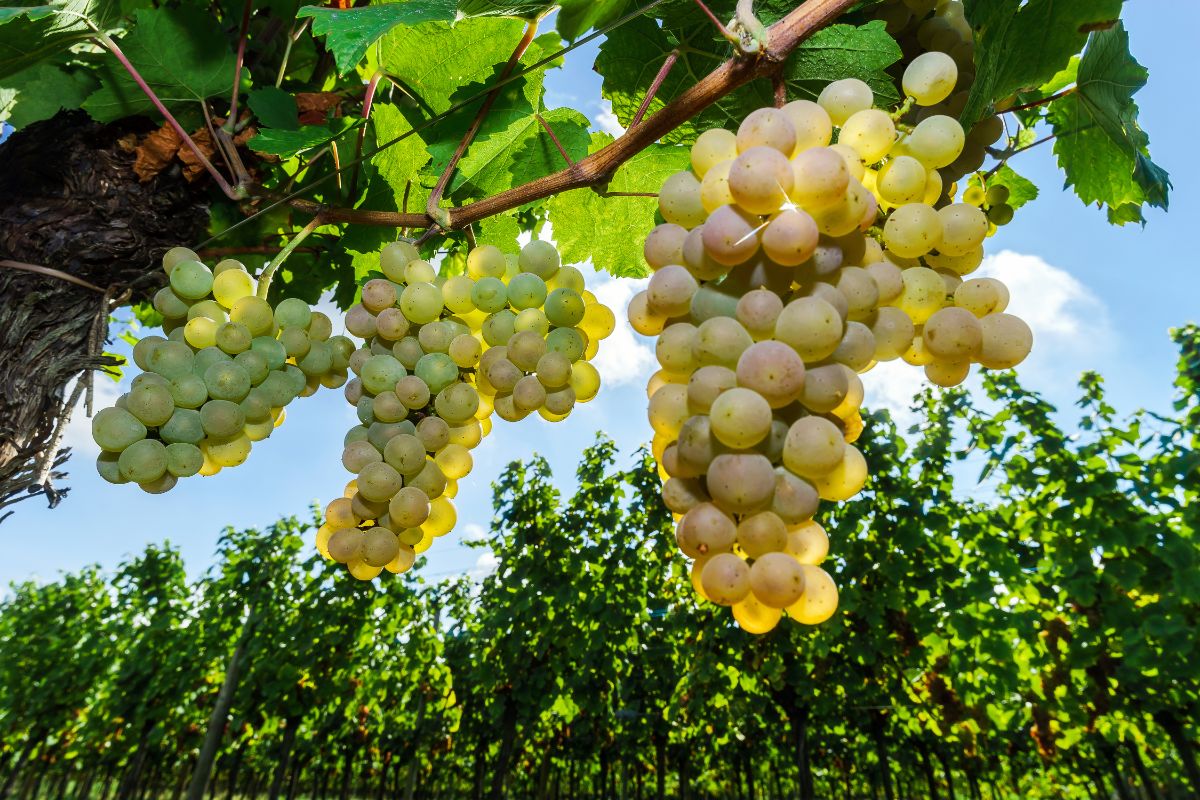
{"points": [[218, 381], [788, 265], [513, 335]]}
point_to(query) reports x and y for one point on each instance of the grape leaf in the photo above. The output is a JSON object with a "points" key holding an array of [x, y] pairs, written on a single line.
{"points": [[609, 230], [399, 164], [274, 108], [1099, 144], [29, 34], [349, 32], [501, 230], [504, 8], [631, 56], [41, 91], [577, 17], [1020, 190], [29, 12], [181, 53], [287, 143], [1023, 45]]}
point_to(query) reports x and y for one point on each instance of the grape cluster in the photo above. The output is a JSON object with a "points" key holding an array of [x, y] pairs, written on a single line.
{"points": [[218, 381], [788, 265], [514, 335]]}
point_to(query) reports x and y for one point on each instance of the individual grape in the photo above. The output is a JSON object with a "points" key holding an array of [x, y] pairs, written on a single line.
{"points": [[560, 402], [227, 381], [380, 547], [773, 370], [419, 271], [395, 257], [409, 507], [720, 340], [668, 409], [434, 433], [421, 302], [844, 98], [676, 348], [777, 580], [1001, 214], [209, 309], [115, 429], [711, 148], [532, 319], [811, 123], [959, 265], [378, 294], [760, 179], [144, 349], [386, 407], [860, 290], [755, 617], [407, 351], [486, 261], [540, 258], [222, 418], [808, 543], [232, 285], [758, 311], [930, 78], [681, 495], [184, 426], [160, 485], [498, 328], [346, 545], [435, 337], [1007, 341], [795, 499], [233, 338], [964, 227], [947, 373], [457, 403], [255, 366], [846, 479], [953, 334], [820, 178], [857, 348], [191, 280], [465, 350], [814, 447], [438, 371], [108, 467], [528, 394], [380, 373], [585, 381], [176, 255], [997, 194], [183, 459], [361, 322], [293, 313], [145, 460], [568, 341], [295, 342], [150, 403], [664, 245], [455, 461], [767, 127], [696, 257], [741, 482], [740, 418], [893, 331], [169, 304], [320, 327], [553, 370], [430, 480], [714, 189], [888, 280], [726, 579], [902, 180], [456, 294], [982, 296], [924, 293], [811, 326], [820, 598], [565, 307], [706, 384], [598, 321], [730, 236], [200, 332], [870, 132], [705, 530], [913, 230], [761, 533], [378, 481], [790, 238], [526, 290], [405, 453], [936, 141], [679, 200], [975, 196]]}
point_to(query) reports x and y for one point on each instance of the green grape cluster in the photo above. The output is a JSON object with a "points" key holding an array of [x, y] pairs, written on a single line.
{"points": [[218, 381], [513, 335], [799, 251]]}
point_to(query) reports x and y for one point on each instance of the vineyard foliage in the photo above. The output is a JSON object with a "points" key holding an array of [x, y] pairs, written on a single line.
{"points": [[1018, 618]]}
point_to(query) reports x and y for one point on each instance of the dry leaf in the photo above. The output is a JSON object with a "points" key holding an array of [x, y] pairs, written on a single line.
{"points": [[314, 105], [192, 168], [155, 153]]}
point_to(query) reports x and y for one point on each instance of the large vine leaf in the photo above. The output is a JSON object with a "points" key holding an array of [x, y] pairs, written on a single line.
{"points": [[529, 9], [1022, 45], [577, 17], [403, 155], [182, 54], [1099, 144], [631, 56], [289, 142], [609, 230], [31, 33], [41, 91], [349, 32]]}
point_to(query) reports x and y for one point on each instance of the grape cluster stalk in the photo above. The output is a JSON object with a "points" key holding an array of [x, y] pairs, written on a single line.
{"points": [[513, 336], [218, 381], [817, 240]]}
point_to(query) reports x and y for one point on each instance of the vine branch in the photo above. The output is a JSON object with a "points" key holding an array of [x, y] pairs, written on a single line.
{"points": [[231, 121], [783, 37]]}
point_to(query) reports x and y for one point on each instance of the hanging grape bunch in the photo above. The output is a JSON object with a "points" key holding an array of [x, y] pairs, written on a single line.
{"points": [[788, 265], [514, 335], [218, 381]]}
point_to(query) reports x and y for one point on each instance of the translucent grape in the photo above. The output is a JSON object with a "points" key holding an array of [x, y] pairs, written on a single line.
{"points": [[705, 530], [726, 579], [760, 179], [795, 499], [419, 271], [758, 311], [936, 141], [953, 334], [144, 460], [761, 533], [777, 580], [755, 617], [913, 230], [902, 180], [176, 255], [191, 280], [598, 321], [380, 373], [790, 238], [773, 370], [679, 200], [293, 313], [1007, 341], [486, 261], [814, 447], [964, 227], [811, 123], [405, 453], [498, 328], [489, 294], [585, 381], [711, 148], [227, 381], [714, 189], [115, 429], [540, 258], [457, 403], [421, 302], [438, 371], [893, 332], [740, 418], [930, 78], [844, 98], [820, 598], [730, 236], [811, 326], [871, 133], [150, 403], [820, 178], [526, 290], [982, 296], [947, 373], [721, 340], [846, 479], [924, 293], [767, 127], [664, 245], [741, 483]]}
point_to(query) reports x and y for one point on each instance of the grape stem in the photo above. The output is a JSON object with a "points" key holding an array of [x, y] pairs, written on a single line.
{"points": [[554, 138], [264, 280], [655, 85], [1044, 101], [1006, 155], [433, 207], [368, 99], [753, 35], [598, 168], [231, 121], [233, 193], [725, 32]]}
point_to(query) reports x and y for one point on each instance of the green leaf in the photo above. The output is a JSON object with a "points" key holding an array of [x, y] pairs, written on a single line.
{"points": [[29, 34], [501, 230], [609, 230], [1099, 144], [1020, 190], [349, 32], [287, 143], [1023, 45], [577, 17], [844, 51], [181, 53], [504, 8], [41, 91], [399, 164], [274, 108], [29, 12]]}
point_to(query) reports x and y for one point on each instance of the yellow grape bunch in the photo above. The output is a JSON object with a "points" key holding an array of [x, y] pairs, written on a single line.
{"points": [[514, 335], [786, 267], [218, 381]]}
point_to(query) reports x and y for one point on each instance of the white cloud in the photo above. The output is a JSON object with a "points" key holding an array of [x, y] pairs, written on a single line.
{"points": [[607, 121], [484, 565], [473, 532], [891, 385], [624, 356]]}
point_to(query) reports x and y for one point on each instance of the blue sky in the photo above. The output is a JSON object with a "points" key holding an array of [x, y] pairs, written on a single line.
{"points": [[1097, 298]]}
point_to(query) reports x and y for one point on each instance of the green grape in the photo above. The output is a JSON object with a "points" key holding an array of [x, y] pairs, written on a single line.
{"points": [[209, 309], [380, 373], [975, 195], [395, 257], [436, 336], [150, 403], [421, 302], [553, 370], [227, 381], [434, 433], [526, 290], [568, 341], [191, 280], [160, 485], [254, 364], [456, 294], [913, 230], [184, 459], [930, 78], [457, 403], [811, 326], [188, 391], [964, 227], [233, 338], [430, 479], [567, 277], [144, 349], [1001, 214], [465, 350], [147, 378], [318, 360], [295, 342], [169, 304], [679, 200], [379, 481], [405, 453], [844, 98], [232, 284], [320, 327], [413, 392], [524, 350], [902, 180], [226, 264], [200, 332], [293, 313], [997, 194], [222, 418], [145, 460], [257, 406], [565, 308], [766, 127], [277, 389], [437, 370], [486, 261], [408, 351], [489, 295], [271, 350], [343, 348], [720, 340], [711, 148], [255, 314], [499, 327], [502, 374], [936, 141], [115, 429], [176, 255], [585, 381], [206, 357], [229, 452], [359, 433], [740, 418], [540, 258], [532, 319], [365, 410], [419, 271], [108, 466], [358, 454], [386, 407], [811, 123], [561, 401]]}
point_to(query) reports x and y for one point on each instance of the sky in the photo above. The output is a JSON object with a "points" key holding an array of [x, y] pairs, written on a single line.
{"points": [[1097, 298]]}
